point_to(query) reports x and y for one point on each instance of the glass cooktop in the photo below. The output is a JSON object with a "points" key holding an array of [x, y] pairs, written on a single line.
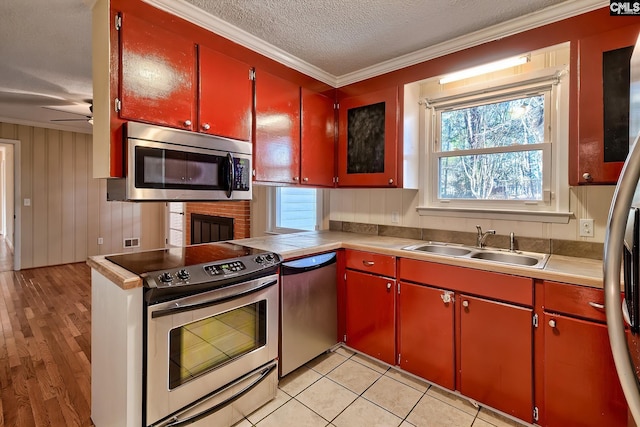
{"points": [[166, 259]]}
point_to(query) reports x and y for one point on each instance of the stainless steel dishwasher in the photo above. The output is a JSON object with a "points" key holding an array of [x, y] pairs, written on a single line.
{"points": [[309, 318]]}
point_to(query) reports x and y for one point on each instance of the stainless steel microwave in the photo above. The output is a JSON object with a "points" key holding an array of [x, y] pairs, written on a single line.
{"points": [[166, 164]]}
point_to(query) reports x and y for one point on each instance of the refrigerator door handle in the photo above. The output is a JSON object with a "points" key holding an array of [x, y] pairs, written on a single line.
{"points": [[612, 261]]}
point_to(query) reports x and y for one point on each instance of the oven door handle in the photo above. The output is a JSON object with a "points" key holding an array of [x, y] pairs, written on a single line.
{"points": [[176, 422], [177, 308]]}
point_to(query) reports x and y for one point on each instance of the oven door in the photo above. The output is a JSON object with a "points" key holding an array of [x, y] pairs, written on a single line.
{"points": [[204, 343]]}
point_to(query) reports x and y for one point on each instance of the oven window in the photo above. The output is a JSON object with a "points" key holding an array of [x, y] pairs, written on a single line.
{"points": [[203, 345]]}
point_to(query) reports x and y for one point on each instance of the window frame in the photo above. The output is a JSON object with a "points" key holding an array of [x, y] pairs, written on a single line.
{"points": [[553, 207], [273, 211]]}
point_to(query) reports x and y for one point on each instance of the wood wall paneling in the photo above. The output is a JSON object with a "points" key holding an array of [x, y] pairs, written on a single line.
{"points": [[68, 209]]}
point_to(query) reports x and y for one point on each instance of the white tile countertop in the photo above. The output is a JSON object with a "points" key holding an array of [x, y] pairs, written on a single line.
{"points": [[579, 271]]}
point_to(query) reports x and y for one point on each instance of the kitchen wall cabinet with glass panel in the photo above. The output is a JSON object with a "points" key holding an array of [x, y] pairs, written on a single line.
{"points": [[601, 142], [294, 140], [377, 147]]}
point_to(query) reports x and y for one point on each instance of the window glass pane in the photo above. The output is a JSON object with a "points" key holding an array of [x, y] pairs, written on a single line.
{"points": [[499, 124], [296, 208], [501, 176]]}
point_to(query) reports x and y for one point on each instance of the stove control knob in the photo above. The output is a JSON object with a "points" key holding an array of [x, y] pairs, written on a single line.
{"points": [[269, 257], [166, 278], [259, 259], [183, 274]]}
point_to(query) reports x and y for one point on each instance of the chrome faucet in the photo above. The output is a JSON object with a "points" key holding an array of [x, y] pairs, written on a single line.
{"points": [[483, 236]]}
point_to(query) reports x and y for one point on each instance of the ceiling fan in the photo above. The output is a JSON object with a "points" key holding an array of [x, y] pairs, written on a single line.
{"points": [[76, 109]]}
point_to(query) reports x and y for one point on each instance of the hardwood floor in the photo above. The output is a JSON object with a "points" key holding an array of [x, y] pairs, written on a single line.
{"points": [[45, 346]]}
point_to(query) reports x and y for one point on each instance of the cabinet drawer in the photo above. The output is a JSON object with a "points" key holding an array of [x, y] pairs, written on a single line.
{"points": [[384, 265], [574, 300]]}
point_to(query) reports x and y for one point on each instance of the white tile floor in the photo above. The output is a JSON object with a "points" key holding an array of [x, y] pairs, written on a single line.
{"points": [[343, 389]]}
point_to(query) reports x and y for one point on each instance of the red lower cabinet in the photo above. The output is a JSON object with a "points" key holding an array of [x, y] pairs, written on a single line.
{"points": [[581, 387], [496, 355], [370, 317], [425, 333]]}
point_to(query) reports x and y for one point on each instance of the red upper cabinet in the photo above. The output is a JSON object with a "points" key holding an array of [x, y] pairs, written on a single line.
{"points": [[225, 95], [603, 106], [317, 150], [157, 75], [277, 137], [368, 140]]}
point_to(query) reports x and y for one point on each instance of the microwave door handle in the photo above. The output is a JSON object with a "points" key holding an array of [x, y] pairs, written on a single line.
{"points": [[230, 175]]}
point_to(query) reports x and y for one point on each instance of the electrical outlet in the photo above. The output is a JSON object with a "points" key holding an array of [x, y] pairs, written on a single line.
{"points": [[395, 217], [27, 202], [100, 240], [586, 228]]}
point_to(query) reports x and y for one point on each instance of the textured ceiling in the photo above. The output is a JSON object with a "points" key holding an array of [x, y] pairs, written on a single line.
{"points": [[45, 45], [341, 37]]}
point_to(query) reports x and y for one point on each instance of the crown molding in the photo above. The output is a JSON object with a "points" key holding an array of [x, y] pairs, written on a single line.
{"points": [[545, 16], [44, 125], [518, 25], [212, 23]]}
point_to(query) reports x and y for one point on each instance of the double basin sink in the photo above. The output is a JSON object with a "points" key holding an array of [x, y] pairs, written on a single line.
{"points": [[523, 259]]}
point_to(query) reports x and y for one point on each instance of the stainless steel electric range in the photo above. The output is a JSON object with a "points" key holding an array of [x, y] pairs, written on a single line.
{"points": [[210, 332]]}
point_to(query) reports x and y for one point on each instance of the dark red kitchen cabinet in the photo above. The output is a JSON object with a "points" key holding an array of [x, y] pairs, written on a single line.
{"points": [[581, 386], [426, 333], [317, 150], [368, 140], [600, 156], [157, 75], [496, 355], [277, 138], [225, 95], [370, 315]]}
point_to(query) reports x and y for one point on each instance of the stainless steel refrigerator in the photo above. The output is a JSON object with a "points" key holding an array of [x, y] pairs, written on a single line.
{"points": [[622, 258]]}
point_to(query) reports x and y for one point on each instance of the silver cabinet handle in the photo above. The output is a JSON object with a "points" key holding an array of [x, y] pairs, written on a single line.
{"points": [[206, 126], [187, 123], [552, 323], [446, 297], [587, 176], [465, 303], [388, 286], [596, 305], [305, 179], [296, 178], [390, 181], [368, 263]]}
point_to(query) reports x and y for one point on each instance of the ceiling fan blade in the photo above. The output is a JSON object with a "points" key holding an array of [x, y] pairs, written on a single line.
{"points": [[60, 110], [71, 120]]}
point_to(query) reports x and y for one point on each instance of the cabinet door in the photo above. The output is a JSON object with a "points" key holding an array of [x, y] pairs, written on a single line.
{"points": [[277, 145], [158, 75], [603, 105], [370, 318], [581, 386], [368, 140], [225, 95], [317, 148], [496, 355], [425, 330]]}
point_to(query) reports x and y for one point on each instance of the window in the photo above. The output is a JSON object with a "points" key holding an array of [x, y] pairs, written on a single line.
{"points": [[498, 148], [294, 209], [493, 150]]}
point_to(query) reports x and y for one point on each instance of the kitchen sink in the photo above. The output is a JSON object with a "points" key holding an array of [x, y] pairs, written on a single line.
{"points": [[508, 258], [525, 259], [443, 249]]}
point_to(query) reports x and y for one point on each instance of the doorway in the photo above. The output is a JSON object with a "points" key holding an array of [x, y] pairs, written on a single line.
{"points": [[10, 205]]}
